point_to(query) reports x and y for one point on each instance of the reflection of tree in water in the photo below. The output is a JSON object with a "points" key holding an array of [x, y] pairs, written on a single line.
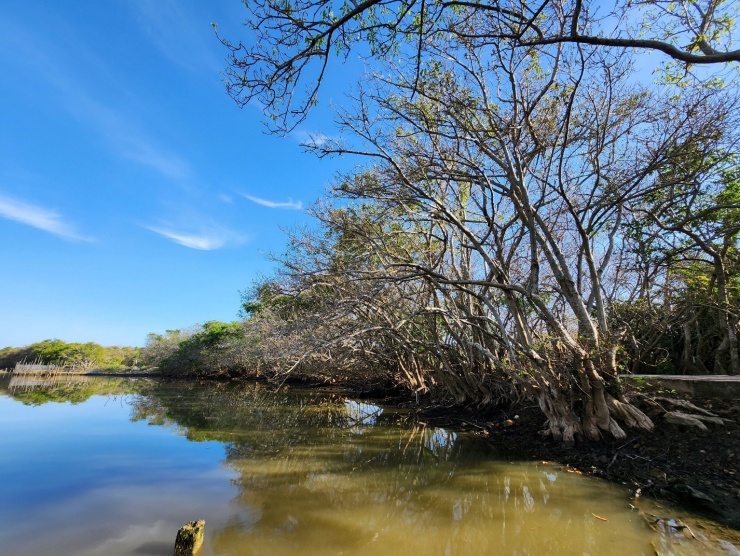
{"points": [[75, 389], [243, 414], [255, 419], [318, 470]]}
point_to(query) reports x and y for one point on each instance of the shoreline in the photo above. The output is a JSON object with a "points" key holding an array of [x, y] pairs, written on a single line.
{"points": [[684, 467]]}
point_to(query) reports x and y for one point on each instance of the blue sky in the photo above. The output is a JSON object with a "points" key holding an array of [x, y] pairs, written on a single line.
{"points": [[135, 196]]}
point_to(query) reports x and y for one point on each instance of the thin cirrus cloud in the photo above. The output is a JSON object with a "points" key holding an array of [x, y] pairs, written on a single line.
{"points": [[205, 241], [289, 204], [311, 138], [178, 33], [68, 72], [38, 217], [124, 136]]}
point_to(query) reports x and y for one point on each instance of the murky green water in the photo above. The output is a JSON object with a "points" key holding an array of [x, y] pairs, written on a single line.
{"points": [[116, 466]]}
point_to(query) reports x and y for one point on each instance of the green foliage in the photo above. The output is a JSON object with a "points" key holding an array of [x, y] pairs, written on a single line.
{"points": [[267, 297], [256, 300], [214, 335], [691, 235], [87, 355], [75, 354], [9, 356], [214, 348]]}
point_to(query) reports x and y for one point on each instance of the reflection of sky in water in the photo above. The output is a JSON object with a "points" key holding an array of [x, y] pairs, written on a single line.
{"points": [[437, 439], [92, 482], [361, 414]]}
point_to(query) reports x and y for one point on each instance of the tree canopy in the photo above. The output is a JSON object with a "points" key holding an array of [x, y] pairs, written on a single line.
{"points": [[524, 199], [284, 59]]}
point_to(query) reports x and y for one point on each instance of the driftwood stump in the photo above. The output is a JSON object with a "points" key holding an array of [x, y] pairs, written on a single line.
{"points": [[190, 538]]}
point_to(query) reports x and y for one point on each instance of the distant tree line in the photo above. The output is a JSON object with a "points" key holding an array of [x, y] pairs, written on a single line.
{"points": [[73, 355]]}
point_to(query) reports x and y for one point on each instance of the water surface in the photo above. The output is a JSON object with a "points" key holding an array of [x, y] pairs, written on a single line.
{"points": [[116, 466]]}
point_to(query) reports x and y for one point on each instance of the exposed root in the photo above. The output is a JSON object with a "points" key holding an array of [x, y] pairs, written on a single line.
{"points": [[563, 424], [615, 430], [681, 418], [632, 417], [685, 404]]}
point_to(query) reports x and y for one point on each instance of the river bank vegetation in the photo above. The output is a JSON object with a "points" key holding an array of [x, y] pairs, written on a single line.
{"points": [[529, 217], [77, 356]]}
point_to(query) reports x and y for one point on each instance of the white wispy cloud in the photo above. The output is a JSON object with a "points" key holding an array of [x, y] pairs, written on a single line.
{"points": [[289, 204], [37, 217], [126, 137], [148, 154], [311, 138], [180, 34], [206, 240], [102, 103]]}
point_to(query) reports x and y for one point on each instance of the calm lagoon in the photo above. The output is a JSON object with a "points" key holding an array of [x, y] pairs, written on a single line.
{"points": [[116, 466]]}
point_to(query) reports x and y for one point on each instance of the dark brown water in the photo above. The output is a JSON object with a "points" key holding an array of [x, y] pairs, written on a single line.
{"points": [[116, 466]]}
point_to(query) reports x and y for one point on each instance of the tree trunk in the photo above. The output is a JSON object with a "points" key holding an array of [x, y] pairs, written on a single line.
{"points": [[563, 424], [600, 409], [726, 317]]}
